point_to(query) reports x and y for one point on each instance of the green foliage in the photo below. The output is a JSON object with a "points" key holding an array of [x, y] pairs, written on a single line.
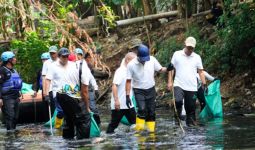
{"points": [[62, 7], [166, 50], [237, 39], [46, 29], [135, 3], [28, 55], [164, 4], [107, 14], [118, 2]]}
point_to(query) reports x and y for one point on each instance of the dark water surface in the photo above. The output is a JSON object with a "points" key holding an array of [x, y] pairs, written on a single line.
{"points": [[233, 132]]}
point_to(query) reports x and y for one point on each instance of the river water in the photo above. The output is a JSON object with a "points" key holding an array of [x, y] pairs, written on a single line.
{"points": [[232, 132]]}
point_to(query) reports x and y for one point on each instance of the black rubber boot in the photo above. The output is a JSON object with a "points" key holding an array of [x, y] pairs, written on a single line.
{"points": [[191, 120], [179, 114]]}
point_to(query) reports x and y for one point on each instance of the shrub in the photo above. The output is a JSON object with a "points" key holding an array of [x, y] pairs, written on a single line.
{"points": [[28, 55]]}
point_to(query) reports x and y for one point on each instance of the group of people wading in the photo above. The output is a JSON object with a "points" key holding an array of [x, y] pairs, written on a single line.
{"points": [[67, 80]]}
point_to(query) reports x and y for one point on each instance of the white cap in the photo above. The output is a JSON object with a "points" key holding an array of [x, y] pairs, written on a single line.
{"points": [[190, 41]]}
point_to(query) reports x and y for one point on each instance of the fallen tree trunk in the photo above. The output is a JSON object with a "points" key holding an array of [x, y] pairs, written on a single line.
{"points": [[149, 17], [202, 13], [92, 31], [4, 42]]}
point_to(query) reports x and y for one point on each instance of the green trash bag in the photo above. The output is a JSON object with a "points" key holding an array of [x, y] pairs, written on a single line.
{"points": [[47, 124], [213, 107], [94, 129], [26, 88], [124, 118]]}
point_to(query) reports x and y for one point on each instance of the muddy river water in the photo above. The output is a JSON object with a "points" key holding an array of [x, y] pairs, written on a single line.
{"points": [[232, 132]]}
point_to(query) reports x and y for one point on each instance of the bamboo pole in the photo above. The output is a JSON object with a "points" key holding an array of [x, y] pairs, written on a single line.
{"points": [[148, 17]]}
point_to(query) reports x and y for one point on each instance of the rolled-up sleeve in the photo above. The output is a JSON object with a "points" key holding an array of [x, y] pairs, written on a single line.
{"points": [[199, 63], [86, 74], [45, 68], [157, 65], [50, 72], [93, 82], [173, 59], [129, 71]]}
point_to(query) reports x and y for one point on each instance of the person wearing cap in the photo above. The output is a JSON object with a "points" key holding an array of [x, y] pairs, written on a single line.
{"points": [[133, 44], [70, 86], [79, 53], [186, 63], [141, 72], [52, 98], [38, 86], [93, 89], [10, 86], [119, 108], [72, 57]]}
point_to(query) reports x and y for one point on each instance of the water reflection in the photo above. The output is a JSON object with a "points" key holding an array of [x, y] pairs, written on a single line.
{"points": [[234, 132], [215, 133]]}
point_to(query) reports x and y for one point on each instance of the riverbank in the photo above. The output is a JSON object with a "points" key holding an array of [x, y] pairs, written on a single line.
{"points": [[237, 90]]}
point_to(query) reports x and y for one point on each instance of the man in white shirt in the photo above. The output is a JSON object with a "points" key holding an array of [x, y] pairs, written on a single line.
{"points": [[119, 107], [186, 63], [93, 89], [141, 71], [54, 56], [79, 53], [67, 77], [53, 102]]}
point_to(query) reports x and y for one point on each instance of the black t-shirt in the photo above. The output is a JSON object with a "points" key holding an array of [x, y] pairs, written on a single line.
{"points": [[5, 74]]}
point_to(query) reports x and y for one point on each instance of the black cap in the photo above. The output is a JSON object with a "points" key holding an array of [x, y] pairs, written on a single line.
{"points": [[63, 52], [87, 55]]}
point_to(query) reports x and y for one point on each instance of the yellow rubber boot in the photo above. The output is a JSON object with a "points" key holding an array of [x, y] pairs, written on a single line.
{"points": [[139, 124], [58, 122], [150, 126]]}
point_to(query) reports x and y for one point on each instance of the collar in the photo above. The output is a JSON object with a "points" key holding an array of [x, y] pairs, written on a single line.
{"points": [[183, 53], [60, 65], [136, 61]]}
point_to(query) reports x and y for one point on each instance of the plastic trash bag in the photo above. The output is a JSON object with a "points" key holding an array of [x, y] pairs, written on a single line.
{"points": [[124, 118], [213, 108], [94, 129], [26, 88]]}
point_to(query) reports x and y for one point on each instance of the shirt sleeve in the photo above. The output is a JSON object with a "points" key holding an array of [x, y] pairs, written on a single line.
{"points": [[45, 68], [117, 77], [129, 71], [93, 82], [173, 59], [157, 65], [199, 63], [86, 73], [50, 72], [208, 76]]}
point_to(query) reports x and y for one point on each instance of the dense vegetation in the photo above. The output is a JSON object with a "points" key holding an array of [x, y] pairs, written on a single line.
{"points": [[232, 52]]}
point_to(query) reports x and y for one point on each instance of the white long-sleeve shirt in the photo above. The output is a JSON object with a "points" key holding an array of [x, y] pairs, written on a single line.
{"points": [[207, 76]]}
